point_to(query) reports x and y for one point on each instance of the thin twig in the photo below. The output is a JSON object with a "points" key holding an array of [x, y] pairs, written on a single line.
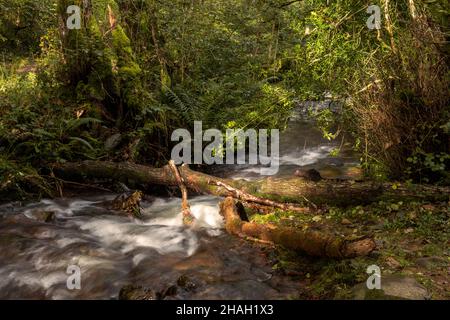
{"points": [[187, 215]]}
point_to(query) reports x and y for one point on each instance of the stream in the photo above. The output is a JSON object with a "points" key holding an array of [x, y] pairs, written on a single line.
{"points": [[114, 251]]}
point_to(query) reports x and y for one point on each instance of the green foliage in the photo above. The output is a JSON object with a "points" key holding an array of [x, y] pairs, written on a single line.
{"points": [[142, 67], [23, 22], [35, 132], [274, 217], [395, 88], [20, 179], [428, 164], [326, 121]]}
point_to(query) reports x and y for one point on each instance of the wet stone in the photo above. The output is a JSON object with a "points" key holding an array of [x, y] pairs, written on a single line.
{"points": [[169, 292], [43, 216], [186, 283], [131, 292]]}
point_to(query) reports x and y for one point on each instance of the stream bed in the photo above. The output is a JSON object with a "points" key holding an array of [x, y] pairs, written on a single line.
{"points": [[115, 251]]}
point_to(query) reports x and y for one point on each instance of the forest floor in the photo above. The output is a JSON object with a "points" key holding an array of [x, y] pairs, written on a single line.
{"points": [[412, 241]]}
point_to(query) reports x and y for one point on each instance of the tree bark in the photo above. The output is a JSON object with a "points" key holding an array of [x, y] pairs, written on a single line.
{"points": [[312, 242]]}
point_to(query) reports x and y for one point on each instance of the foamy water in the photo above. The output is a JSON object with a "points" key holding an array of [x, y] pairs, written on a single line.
{"points": [[87, 235]]}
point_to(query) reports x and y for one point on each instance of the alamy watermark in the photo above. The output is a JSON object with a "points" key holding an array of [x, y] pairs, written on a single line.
{"points": [[374, 280], [74, 279], [374, 21], [74, 20], [236, 143]]}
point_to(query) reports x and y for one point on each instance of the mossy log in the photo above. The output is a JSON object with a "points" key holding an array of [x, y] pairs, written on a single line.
{"points": [[312, 242], [284, 193]]}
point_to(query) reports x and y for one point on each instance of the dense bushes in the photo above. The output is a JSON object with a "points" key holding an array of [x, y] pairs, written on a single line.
{"points": [[403, 112], [402, 118], [23, 22]]}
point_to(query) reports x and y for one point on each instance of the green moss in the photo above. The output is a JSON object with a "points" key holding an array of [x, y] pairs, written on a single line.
{"points": [[288, 218]]}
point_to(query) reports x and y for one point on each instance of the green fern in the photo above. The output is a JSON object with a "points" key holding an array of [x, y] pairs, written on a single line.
{"points": [[181, 107], [73, 124]]}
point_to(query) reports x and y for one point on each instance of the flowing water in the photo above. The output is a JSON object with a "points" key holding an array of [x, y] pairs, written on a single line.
{"points": [[302, 145], [113, 251]]}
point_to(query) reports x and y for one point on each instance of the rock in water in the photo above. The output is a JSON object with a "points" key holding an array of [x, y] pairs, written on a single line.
{"points": [[131, 292], [127, 202], [42, 216], [311, 174], [393, 287], [186, 283]]}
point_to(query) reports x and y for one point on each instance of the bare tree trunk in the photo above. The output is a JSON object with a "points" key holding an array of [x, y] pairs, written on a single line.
{"points": [[268, 192], [257, 194]]}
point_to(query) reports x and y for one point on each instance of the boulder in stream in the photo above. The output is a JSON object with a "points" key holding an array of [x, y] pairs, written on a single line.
{"points": [[42, 216], [131, 292]]}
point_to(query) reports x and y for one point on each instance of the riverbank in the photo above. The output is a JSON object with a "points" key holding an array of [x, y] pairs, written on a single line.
{"points": [[412, 252], [116, 252]]}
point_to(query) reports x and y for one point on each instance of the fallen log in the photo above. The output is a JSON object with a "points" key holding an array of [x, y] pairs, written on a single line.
{"points": [[285, 193], [312, 242]]}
